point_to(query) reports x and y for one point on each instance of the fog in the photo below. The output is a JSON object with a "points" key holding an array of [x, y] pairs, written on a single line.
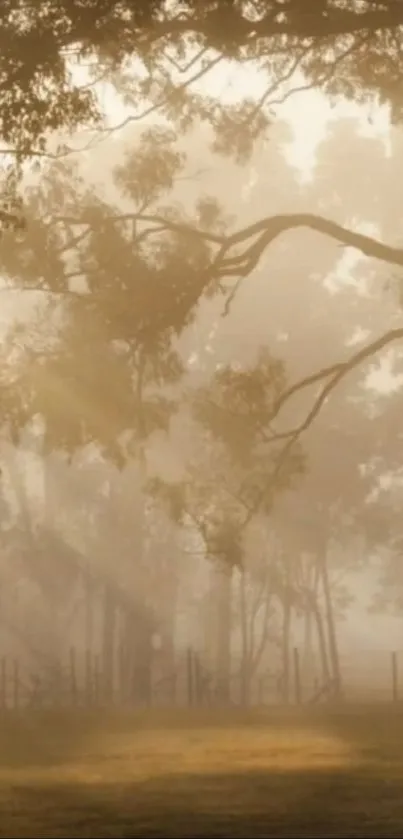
{"points": [[131, 534]]}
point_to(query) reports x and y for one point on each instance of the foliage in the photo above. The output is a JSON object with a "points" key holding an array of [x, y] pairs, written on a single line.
{"points": [[352, 50], [99, 364], [238, 406], [235, 472], [116, 287]]}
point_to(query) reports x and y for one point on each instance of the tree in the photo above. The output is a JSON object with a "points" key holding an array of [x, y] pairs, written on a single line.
{"points": [[109, 305], [121, 283], [330, 506], [232, 465], [90, 378], [343, 49]]}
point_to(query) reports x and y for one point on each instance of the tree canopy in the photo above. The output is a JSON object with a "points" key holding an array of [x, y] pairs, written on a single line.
{"points": [[351, 49], [200, 305], [156, 53]]}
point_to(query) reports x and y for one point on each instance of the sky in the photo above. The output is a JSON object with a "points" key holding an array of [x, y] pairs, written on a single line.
{"points": [[307, 112]]}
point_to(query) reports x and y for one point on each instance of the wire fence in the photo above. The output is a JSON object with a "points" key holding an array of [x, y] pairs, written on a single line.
{"points": [[79, 681]]}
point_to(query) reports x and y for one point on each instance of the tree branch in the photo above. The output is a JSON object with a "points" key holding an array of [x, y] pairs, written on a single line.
{"points": [[265, 231], [166, 98], [262, 233], [311, 24], [162, 223], [336, 372]]}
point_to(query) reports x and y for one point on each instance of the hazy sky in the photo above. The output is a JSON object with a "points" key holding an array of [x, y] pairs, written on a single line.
{"points": [[308, 112]]}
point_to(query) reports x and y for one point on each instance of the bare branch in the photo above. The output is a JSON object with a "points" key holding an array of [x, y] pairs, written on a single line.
{"points": [[336, 373], [161, 223], [262, 233], [265, 231], [165, 99], [277, 84]]}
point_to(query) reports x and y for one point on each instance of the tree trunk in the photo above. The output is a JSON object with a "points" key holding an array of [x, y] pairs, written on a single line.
{"points": [[168, 663], [323, 651], [308, 651], [142, 665], [122, 660], [286, 634], [108, 643], [246, 643], [223, 660], [331, 626], [89, 595]]}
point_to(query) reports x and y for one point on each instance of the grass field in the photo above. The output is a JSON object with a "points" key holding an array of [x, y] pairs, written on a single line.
{"points": [[266, 773]]}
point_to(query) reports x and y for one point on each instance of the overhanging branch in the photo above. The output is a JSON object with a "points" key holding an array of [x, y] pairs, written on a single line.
{"points": [[334, 376], [276, 22], [255, 237], [267, 230]]}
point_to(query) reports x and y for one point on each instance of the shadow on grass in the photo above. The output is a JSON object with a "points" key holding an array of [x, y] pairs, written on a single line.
{"points": [[248, 804], [375, 731], [43, 738], [362, 797]]}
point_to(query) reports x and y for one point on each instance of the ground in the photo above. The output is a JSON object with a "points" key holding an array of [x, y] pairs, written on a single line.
{"points": [[272, 772]]}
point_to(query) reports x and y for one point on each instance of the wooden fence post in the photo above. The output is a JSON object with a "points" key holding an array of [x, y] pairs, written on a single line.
{"points": [[73, 676], [297, 677], [3, 682], [88, 678], [198, 679], [16, 683], [96, 681], [395, 678], [189, 675]]}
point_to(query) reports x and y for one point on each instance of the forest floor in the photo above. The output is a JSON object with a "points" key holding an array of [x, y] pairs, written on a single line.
{"points": [[328, 773]]}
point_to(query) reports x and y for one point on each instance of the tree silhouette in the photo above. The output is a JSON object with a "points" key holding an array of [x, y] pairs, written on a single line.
{"points": [[120, 281], [348, 52], [344, 50]]}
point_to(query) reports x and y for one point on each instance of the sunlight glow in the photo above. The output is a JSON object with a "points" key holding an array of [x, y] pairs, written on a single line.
{"points": [[308, 112]]}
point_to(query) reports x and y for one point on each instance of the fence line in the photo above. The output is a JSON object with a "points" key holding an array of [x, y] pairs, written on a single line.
{"points": [[80, 682]]}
